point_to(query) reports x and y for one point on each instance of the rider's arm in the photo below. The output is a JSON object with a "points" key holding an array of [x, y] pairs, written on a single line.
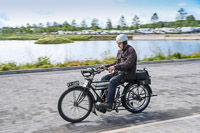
{"points": [[129, 62], [116, 61], [108, 65]]}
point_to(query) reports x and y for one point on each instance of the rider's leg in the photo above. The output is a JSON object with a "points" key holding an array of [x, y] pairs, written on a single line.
{"points": [[107, 77], [104, 78], [114, 82]]}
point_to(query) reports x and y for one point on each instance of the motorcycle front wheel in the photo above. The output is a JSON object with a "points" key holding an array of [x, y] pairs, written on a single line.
{"points": [[136, 98], [75, 104]]}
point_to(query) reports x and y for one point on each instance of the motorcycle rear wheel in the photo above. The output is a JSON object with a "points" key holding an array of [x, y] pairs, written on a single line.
{"points": [[136, 98]]}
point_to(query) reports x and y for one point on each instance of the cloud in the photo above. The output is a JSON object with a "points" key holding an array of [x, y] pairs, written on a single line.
{"points": [[1, 24], [181, 4], [195, 13], [43, 12], [3, 16]]}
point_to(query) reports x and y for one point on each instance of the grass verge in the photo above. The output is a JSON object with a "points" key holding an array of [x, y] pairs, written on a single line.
{"points": [[44, 62]]}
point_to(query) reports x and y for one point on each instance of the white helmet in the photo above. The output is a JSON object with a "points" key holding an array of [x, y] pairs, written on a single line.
{"points": [[121, 38]]}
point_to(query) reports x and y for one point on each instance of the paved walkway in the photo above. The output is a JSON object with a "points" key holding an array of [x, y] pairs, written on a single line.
{"points": [[29, 102]]}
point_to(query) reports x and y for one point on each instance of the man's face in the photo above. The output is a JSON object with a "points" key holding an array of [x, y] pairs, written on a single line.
{"points": [[120, 45]]}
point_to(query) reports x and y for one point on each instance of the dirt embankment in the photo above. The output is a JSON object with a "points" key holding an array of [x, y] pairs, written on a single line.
{"points": [[167, 37]]}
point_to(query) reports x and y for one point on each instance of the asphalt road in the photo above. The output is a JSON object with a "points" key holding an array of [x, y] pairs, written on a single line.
{"points": [[28, 103]]}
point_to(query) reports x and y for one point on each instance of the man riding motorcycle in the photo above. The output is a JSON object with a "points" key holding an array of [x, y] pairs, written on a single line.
{"points": [[124, 69]]}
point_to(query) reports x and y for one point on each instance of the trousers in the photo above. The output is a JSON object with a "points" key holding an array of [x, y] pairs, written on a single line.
{"points": [[114, 82]]}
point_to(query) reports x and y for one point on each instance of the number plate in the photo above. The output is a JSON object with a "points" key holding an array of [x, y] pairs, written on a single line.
{"points": [[75, 83]]}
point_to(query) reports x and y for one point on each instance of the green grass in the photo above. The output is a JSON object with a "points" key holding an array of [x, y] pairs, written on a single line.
{"points": [[44, 62], [21, 37], [53, 40]]}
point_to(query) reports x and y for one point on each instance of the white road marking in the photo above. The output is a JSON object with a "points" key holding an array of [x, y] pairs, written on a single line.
{"points": [[151, 124]]}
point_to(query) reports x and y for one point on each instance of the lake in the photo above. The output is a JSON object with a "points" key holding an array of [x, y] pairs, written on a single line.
{"points": [[26, 51]]}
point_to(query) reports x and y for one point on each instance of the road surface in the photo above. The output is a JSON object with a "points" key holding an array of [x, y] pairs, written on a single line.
{"points": [[28, 103]]}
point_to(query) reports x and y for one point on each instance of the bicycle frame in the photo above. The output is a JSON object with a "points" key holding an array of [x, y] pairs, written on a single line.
{"points": [[117, 100]]}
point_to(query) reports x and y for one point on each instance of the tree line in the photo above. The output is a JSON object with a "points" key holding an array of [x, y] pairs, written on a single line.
{"points": [[182, 20]]}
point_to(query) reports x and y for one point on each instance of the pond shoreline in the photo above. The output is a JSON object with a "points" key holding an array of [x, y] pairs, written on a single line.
{"points": [[167, 37], [136, 37]]}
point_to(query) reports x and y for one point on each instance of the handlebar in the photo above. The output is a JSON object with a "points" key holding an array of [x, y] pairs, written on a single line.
{"points": [[92, 71], [99, 69]]}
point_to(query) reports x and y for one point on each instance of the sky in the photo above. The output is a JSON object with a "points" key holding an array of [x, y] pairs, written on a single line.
{"points": [[16, 13]]}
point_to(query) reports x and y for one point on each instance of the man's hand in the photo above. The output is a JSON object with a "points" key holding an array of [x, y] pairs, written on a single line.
{"points": [[111, 68]]}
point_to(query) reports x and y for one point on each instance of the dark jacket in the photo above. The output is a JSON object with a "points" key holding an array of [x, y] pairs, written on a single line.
{"points": [[126, 63]]}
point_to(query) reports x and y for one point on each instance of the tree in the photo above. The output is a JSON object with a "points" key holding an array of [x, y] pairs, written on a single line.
{"points": [[83, 24], [73, 25], [48, 24], [65, 26], [154, 18], [190, 18], [48, 27], [136, 22], [40, 28], [28, 28], [73, 22], [182, 14], [55, 27], [94, 24], [109, 25], [190, 21], [122, 23]]}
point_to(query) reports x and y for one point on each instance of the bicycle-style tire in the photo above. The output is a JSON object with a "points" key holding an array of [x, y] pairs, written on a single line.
{"points": [[134, 95], [72, 102]]}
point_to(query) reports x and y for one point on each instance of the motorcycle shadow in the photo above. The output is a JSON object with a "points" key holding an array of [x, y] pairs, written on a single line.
{"points": [[116, 121]]}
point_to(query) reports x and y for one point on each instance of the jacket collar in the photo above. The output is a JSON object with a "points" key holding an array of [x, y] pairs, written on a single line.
{"points": [[125, 48]]}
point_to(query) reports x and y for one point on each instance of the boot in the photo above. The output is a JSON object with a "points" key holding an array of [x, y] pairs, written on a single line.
{"points": [[106, 105]]}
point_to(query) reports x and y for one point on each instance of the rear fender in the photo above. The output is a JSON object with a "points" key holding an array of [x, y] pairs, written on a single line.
{"points": [[150, 90], [129, 84]]}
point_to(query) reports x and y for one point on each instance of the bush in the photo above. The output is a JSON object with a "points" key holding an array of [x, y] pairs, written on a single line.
{"points": [[8, 66], [42, 61], [177, 55]]}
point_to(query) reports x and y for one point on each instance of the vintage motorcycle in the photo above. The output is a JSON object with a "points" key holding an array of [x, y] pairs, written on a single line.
{"points": [[76, 103]]}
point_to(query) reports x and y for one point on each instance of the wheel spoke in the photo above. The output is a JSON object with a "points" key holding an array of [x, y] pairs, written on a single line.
{"points": [[82, 108]]}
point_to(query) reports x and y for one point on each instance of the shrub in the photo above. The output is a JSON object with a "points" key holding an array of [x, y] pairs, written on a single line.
{"points": [[42, 61], [8, 66], [177, 55]]}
